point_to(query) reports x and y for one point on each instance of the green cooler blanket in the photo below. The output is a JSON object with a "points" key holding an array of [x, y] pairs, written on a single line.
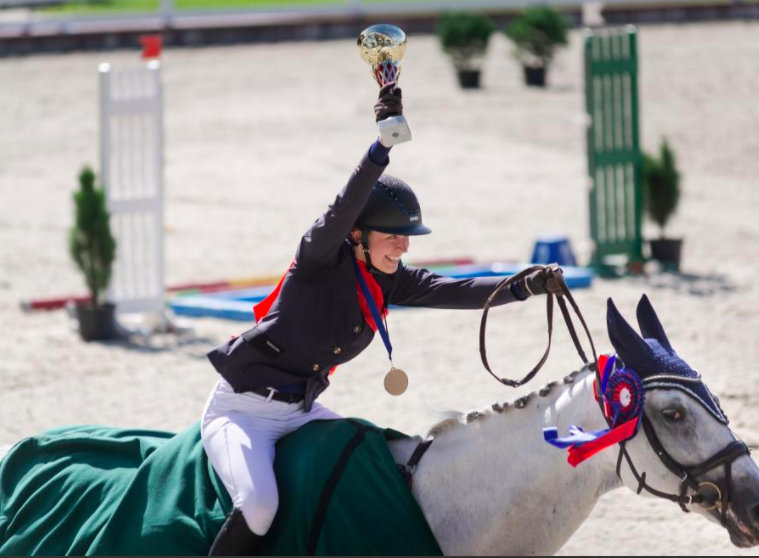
{"points": [[92, 490]]}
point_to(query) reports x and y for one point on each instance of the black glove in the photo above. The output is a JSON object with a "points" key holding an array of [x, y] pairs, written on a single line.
{"points": [[541, 282], [390, 102]]}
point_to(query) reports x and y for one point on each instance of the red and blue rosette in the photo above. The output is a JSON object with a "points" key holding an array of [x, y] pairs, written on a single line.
{"points": [[623, 402], [625, 395]]}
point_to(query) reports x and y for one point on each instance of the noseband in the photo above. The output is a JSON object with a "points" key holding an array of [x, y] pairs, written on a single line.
{"points": [[708, 495]]}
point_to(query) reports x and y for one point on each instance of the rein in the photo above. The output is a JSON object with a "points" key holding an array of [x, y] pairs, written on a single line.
{"points": [[561, 298]]}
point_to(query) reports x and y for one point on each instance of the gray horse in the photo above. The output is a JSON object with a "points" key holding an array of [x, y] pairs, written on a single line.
{"points": [[491, 485]]}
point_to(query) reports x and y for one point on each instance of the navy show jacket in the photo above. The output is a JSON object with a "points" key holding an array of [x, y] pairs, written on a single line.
{"points": [[316, 322]]}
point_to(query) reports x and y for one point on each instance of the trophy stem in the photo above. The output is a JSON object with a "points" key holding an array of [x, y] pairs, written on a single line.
{"points": [[386, 72]]}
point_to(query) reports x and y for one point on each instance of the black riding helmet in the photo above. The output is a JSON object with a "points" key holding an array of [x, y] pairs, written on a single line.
{"points": [[392, 208]]}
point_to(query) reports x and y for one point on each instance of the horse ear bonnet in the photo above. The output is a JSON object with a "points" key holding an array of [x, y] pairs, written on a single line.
{"points": [[653, 358], [630, 346], [649, 323]]}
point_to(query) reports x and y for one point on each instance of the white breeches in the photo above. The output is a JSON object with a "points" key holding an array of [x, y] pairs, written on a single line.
{"points": [[239, 431]]}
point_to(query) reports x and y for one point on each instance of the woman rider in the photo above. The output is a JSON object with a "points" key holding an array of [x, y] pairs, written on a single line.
{"points": [[317, 319]]}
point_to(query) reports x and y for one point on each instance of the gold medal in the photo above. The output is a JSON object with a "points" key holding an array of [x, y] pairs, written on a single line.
{"points": [[396, 381]]}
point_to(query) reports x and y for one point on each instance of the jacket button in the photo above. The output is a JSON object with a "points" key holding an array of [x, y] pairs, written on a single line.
{"points": [[337, 350], [356, 329], [316, 368]]}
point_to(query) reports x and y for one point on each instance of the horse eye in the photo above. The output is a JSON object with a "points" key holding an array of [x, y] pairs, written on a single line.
{"points": [[673, 415]]}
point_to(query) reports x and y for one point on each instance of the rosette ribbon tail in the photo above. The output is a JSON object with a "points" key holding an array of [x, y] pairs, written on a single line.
{"points": [[583, 445]]}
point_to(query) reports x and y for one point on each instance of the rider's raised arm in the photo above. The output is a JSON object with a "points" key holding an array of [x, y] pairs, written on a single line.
{"points": [[422, 288], [320, 245]]}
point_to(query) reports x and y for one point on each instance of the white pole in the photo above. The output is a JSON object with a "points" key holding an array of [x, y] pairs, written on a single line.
{"points": [[592, 13], [158, 173], [104, 71], [167, 9]]}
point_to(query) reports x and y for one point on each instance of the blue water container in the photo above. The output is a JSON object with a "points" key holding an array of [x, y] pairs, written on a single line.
{"points": [[553, 249]]}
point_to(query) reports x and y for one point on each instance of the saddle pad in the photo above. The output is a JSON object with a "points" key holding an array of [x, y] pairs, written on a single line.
{"points": [[91, 490], [341, 494]]}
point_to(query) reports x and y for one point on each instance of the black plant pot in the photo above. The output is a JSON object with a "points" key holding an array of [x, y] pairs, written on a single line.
{"points": [[534, 77], [668, 252], [96, 324], [469, 79]]}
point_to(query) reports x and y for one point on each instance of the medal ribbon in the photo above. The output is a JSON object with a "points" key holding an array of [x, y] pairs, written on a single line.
{"points": [[376, 292], [373, 309]]}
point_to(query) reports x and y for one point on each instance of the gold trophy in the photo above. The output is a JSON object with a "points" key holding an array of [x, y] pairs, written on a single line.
{"points": [[382, 47]]}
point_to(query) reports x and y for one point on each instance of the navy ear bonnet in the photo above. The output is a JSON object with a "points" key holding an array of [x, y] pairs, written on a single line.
{"points": [[653, 358]]}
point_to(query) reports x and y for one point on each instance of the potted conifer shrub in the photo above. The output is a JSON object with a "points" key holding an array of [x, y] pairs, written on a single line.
{"points": [[464, 37], [93, 249], [537, 33], [661, 187]]}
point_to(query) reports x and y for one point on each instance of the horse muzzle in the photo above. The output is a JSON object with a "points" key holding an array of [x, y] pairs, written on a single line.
{"points": [[743, 518], [741, 535]]}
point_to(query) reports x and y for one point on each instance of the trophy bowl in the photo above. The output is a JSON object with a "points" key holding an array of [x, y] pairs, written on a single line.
{"points": [[382, 42]]}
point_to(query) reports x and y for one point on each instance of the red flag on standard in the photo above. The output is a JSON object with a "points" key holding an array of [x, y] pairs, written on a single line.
{"points": [[151, 46]]}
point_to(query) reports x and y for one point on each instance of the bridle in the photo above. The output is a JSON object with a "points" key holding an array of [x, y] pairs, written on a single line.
{"points": [[708, 495]]}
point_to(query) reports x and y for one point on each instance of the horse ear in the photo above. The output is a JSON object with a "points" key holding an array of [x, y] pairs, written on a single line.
{"points": [[630, 346], [649, 323]]}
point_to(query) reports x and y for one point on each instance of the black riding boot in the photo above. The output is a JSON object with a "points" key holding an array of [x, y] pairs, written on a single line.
{"points": [[235, 538]]}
